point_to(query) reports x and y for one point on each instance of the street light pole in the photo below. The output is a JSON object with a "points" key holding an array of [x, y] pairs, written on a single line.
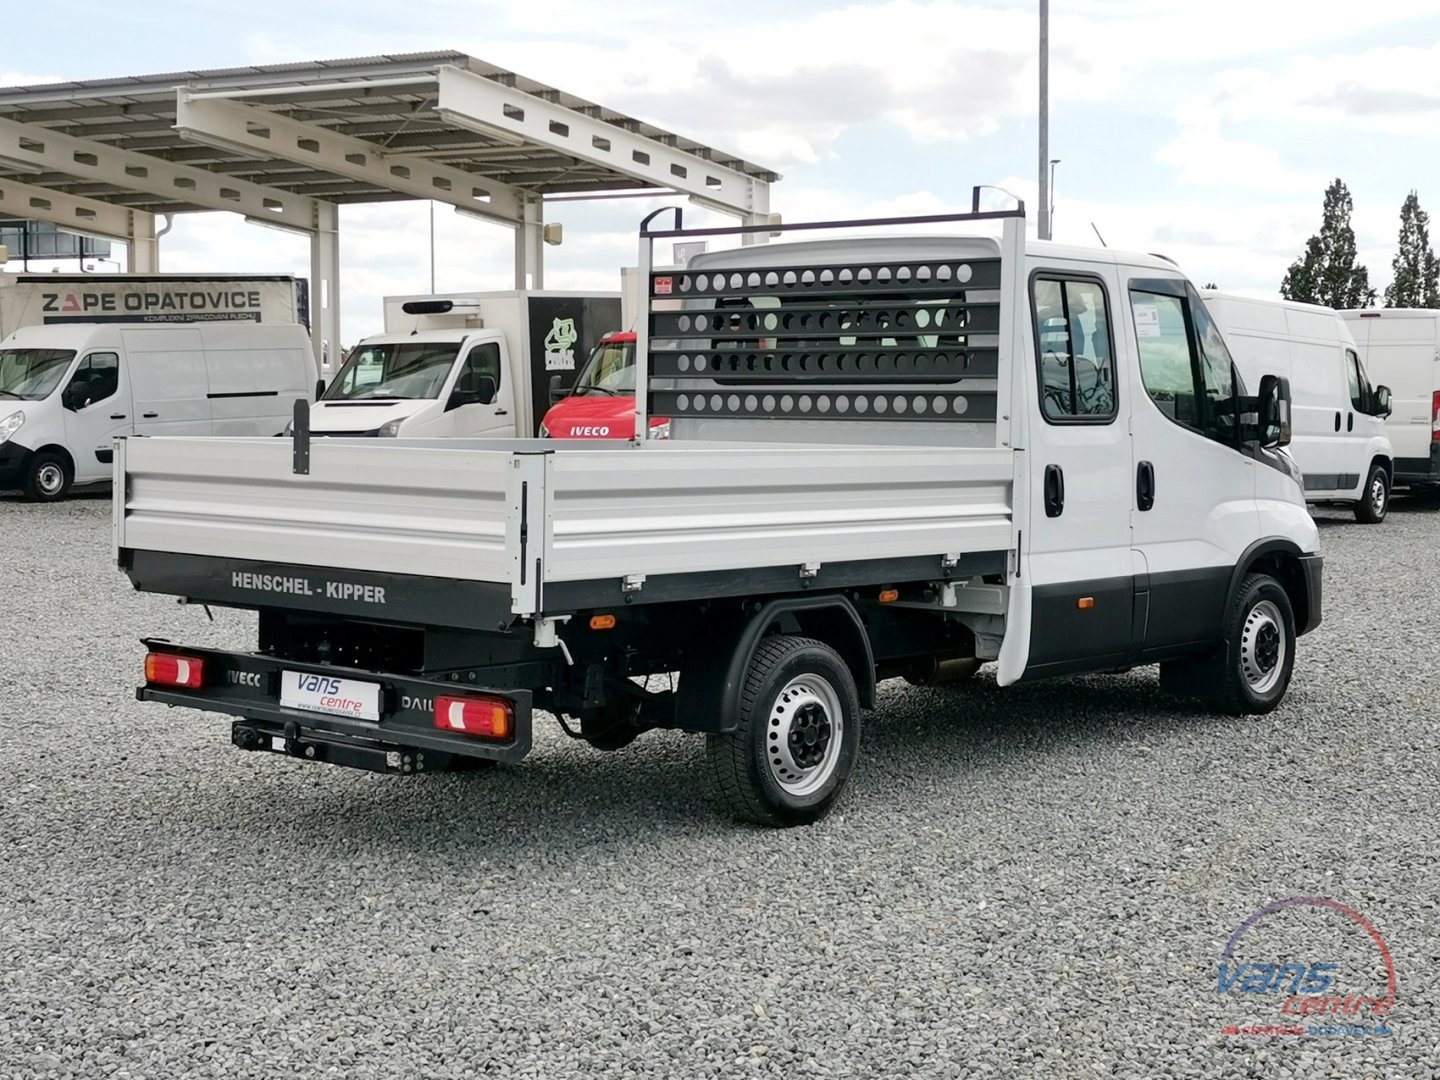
{"points": [[1053, 163], [1044, 230]]}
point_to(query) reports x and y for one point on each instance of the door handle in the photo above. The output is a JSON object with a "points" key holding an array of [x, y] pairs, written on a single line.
{"points": [[1337, 421], [1350, 421], [117, 416], [1145, 486], [149, 415], [1054, 491], [502, 412]]}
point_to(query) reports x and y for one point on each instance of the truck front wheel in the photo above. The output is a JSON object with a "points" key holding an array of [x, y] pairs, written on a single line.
{"points": [[1375, 499], [1251, 669], [795, 743]]}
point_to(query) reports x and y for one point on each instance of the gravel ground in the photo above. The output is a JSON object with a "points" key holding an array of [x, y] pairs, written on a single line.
{"points": [[1029, 882]]}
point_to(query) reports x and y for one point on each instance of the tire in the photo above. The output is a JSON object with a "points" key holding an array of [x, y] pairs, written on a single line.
{"points": [[1259, 648], [1374, 497], [1239, 677], [48, 478], [795, 745]]}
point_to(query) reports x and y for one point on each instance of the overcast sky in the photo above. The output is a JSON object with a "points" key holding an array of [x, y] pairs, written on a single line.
{"points": [[1207, 132]]}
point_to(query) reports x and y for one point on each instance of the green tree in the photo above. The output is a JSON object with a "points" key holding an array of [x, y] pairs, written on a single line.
{"points": [[1417, 273], [1327, 273]]}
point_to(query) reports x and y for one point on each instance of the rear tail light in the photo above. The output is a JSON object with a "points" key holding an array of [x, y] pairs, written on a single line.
{"points": [[487, 717], [166, 669], [1435, 417]]}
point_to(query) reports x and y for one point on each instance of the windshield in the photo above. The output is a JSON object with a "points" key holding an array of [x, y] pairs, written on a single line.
{"points": [[610, 370], [32, 374], [398, 370]]}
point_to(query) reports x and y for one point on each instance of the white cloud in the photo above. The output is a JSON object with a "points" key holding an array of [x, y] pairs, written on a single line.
{"points": [[1202, 155], [17, 78], [1386, 89], [810, 92]]}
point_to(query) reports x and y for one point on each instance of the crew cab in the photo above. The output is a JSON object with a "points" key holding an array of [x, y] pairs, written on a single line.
{"points": [[891, 455]]}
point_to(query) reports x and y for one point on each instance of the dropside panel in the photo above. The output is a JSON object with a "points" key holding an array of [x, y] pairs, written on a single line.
{"points": [[403, 509], [695, 508]]}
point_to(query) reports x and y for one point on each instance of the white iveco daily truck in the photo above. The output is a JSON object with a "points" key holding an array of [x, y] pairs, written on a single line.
{"points": [[895, 456]]}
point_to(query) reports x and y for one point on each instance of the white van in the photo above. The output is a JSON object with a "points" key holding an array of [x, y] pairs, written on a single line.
{"points": [[1338, 419], [1401, 347], [68, 391]]}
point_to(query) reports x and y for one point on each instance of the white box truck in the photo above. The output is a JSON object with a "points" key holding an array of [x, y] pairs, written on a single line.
{"points": [[46, 299], [464, 364], [1401, 348], [1337, 416], [890, 456]]}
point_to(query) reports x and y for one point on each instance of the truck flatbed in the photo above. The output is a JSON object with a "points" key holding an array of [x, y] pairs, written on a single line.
{"points": [[541, 528], [870, 447]]}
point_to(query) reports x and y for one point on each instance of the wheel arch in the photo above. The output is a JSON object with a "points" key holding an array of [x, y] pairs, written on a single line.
{"points": [[59, 451], [1279, 558], [1387, 462], [709, 694]]}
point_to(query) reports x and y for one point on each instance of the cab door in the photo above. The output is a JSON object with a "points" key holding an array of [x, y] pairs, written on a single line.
{"points": [[1193, 511], [1078, 536], [96, 403], [1363, 428], [480, 403]]}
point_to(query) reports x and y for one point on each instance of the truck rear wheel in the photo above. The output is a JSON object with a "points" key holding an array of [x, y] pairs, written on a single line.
{"points": [[795, 743]]}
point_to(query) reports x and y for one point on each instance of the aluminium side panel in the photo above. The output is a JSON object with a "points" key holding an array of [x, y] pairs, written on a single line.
{"points": [[692, 507], [422, 510]]}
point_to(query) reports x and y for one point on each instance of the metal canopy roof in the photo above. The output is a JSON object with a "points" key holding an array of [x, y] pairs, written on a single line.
{"points": [[387, 102], [284, 144]]}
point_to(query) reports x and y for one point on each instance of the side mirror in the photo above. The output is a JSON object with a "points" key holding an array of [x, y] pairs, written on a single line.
{"points": [[1274, 411], [556, 390], [1382, 401], [319, 389], [73, 396], [483, 394]]}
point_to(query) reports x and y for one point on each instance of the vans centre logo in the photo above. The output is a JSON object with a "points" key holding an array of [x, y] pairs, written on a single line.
{"points": [[1323, 969]]}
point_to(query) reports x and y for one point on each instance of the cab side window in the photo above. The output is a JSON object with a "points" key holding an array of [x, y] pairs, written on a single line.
{"points": [[1359, 385], [97, 378], [481, 360], [1073, 349], [1184, 364]]}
